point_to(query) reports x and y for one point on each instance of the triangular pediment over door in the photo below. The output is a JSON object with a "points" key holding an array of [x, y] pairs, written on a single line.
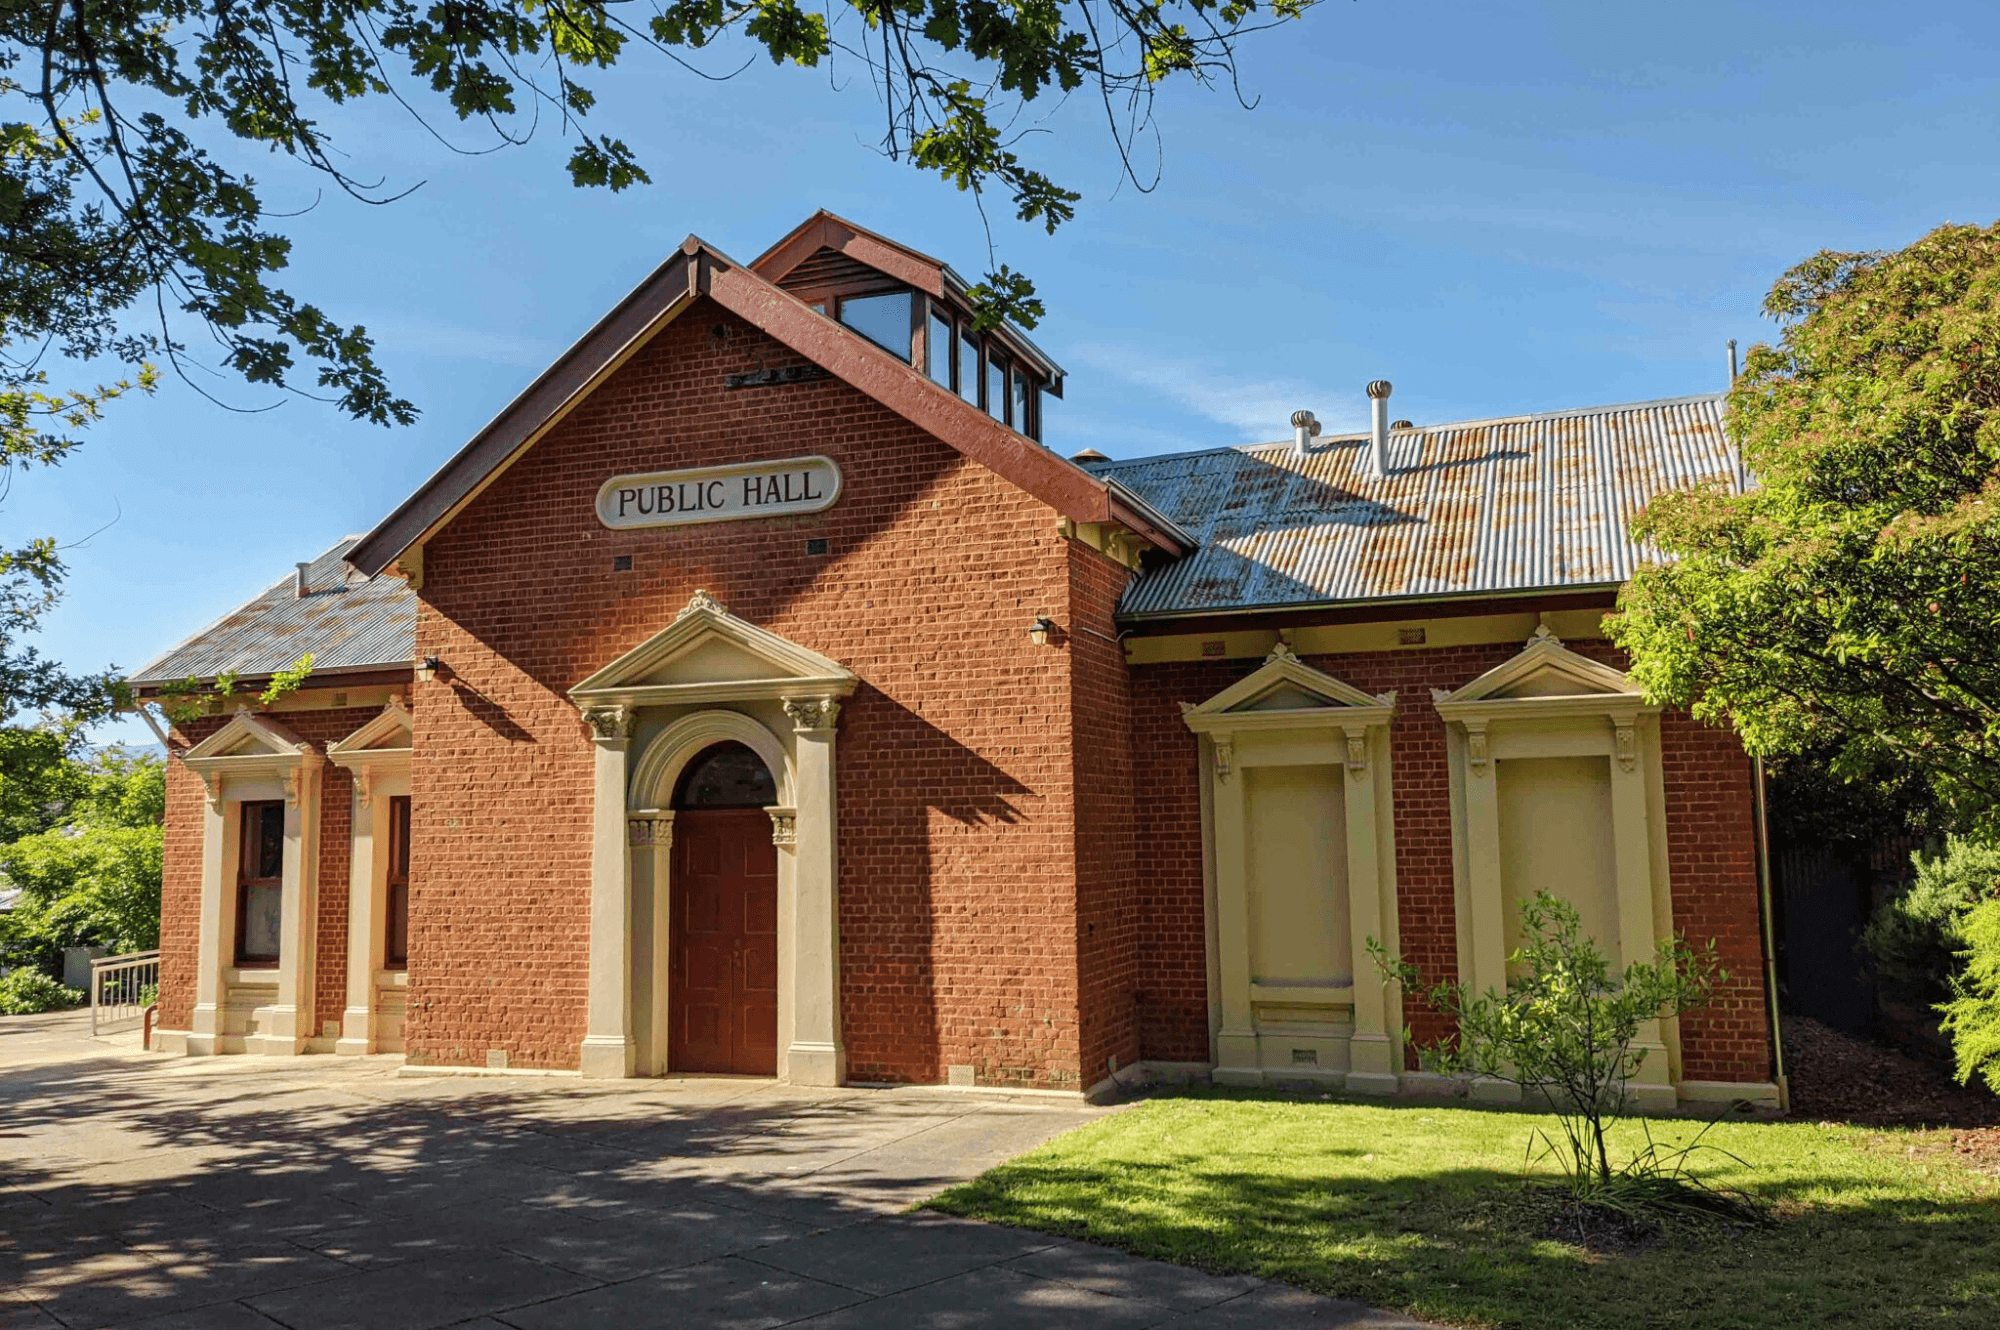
{"points": [[708, 654], [1285, 692]]}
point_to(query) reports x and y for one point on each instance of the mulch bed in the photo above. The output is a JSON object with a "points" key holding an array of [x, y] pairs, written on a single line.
{"points": [[1838, 1077]]}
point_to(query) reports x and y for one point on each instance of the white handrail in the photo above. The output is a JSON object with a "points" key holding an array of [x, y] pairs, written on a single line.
{"points": [[121, 988]]}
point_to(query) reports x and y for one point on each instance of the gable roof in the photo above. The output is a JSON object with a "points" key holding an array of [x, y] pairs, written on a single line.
{"points": [[801, 250], [1483, 507], [347, 623], [696, 270]]}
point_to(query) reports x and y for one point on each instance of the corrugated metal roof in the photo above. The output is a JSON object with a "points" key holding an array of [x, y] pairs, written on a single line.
{"points": [[346, 621], [1526, 503]]}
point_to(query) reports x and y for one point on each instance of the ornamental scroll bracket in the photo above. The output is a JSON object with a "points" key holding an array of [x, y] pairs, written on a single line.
{"points": [[1225, 757], [784, 827], [1357, 753], [1627, 742], [1475, 748]]}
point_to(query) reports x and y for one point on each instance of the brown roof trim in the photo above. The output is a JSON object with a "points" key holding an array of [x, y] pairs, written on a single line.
{"points": [[558, 388], [1371, 611], [823, 230], [699, 269], [352, 676]]}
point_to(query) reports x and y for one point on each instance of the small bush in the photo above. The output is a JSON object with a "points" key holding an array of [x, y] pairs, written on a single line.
{"points": [[1972, 1017], [1915, 937], [26, 992]]}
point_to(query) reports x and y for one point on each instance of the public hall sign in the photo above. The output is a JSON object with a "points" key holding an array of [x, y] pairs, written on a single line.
{"points": [[719, 493]]}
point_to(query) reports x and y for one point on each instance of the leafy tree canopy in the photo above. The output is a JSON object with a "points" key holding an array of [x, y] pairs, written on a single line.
{"points": [[1850, 601]]}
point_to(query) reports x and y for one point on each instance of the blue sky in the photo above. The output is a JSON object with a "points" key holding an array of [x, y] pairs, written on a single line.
{"points": [[1502, 207]]}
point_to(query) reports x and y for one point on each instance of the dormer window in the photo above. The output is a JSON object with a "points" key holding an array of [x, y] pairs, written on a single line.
{"points": [[919, 311], [883, 320]]}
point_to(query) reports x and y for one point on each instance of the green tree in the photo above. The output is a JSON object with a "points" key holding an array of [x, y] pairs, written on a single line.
{"points": [[93, 879], [1850, 601], [1972, 1016], [124, 228], [1915, 936]]}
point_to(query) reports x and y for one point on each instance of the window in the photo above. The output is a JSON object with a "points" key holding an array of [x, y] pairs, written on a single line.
{"points": [[396, 946], [937, 349], [968, 367], [996, 390], [1017, 409], [260, 882], [729, 775], [883, 320]]}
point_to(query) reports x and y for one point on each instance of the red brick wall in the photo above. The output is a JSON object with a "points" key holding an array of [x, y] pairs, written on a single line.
{"points": [[1106, 888], [1712, 850], [180, 900], [955, 769]]}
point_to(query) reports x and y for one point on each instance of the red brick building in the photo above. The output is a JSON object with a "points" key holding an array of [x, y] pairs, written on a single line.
{"points": [[757, 694]]}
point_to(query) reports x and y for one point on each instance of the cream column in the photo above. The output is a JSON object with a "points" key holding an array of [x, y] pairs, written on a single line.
{"points": [[1637, 933], [1371, 1052], [287, 1024], [608, 1051], [205, 1025], [1236, 1056], [364, 921], [1489, 898], [816, 1055]]}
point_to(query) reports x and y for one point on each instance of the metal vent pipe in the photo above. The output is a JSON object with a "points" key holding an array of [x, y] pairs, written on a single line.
{"points": [[1305, 428], [1378, 418]]}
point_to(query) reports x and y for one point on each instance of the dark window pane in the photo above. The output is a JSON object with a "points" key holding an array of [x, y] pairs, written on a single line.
{"points": [[883, 320], [396, 945], [270, 841], [968, 369], [1017, 411], [996, 390], [939, 348], [729, 775]]}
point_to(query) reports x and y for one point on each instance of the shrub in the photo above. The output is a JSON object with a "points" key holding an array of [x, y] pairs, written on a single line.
{"points": [[1564, 1030], [1972, 1016], [1914, 936], [25, 992]]}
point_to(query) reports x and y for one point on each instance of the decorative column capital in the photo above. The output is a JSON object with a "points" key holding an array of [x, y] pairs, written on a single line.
{"points": [[652, 827], [784, 827], [608, 723], [810, 714]]}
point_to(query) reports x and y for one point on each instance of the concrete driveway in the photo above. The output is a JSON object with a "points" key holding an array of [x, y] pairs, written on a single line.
{"points": [[329, 1192]]}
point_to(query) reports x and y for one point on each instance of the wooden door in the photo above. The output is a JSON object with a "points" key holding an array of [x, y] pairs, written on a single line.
{"points": [[723, 897]]}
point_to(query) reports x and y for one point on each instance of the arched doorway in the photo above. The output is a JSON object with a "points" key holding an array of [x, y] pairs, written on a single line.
{"points": [[723, 906]]}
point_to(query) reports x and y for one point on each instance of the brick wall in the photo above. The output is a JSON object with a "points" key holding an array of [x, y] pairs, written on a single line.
{"points": [[1712, 850], [955, 769], [1107, 919]]}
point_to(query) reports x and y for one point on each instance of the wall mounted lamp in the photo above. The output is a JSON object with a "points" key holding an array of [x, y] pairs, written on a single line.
{"points": [[427, 669], [1038, 631]]}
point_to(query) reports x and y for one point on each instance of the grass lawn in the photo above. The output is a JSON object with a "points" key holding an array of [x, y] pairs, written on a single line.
{"points": [[1423, 1209]]}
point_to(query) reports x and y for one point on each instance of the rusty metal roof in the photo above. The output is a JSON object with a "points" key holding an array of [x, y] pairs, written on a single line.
{"points": [[345, 620], [1527, 503]]}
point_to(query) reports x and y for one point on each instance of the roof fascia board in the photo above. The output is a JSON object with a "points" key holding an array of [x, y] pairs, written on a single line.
{"points": [[615, 339], [1309, 614]]}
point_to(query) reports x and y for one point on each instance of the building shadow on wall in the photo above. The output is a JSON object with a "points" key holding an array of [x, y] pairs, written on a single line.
{"points": [[916, 806]]}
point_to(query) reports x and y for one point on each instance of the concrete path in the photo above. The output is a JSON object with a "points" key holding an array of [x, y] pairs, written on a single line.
{"points": [[241, 1193]]}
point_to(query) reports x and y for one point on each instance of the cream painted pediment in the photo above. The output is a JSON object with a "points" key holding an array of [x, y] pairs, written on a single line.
{"points": [[1544, 670], [248, 735], [1286, 692], [388, 731], [709, 654]]}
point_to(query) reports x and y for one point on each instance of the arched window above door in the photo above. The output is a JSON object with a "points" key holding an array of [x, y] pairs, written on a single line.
{"points": [[726, 775]]}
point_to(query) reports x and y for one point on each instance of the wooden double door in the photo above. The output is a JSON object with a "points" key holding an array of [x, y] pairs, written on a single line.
{"points": [[722, 995]]}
